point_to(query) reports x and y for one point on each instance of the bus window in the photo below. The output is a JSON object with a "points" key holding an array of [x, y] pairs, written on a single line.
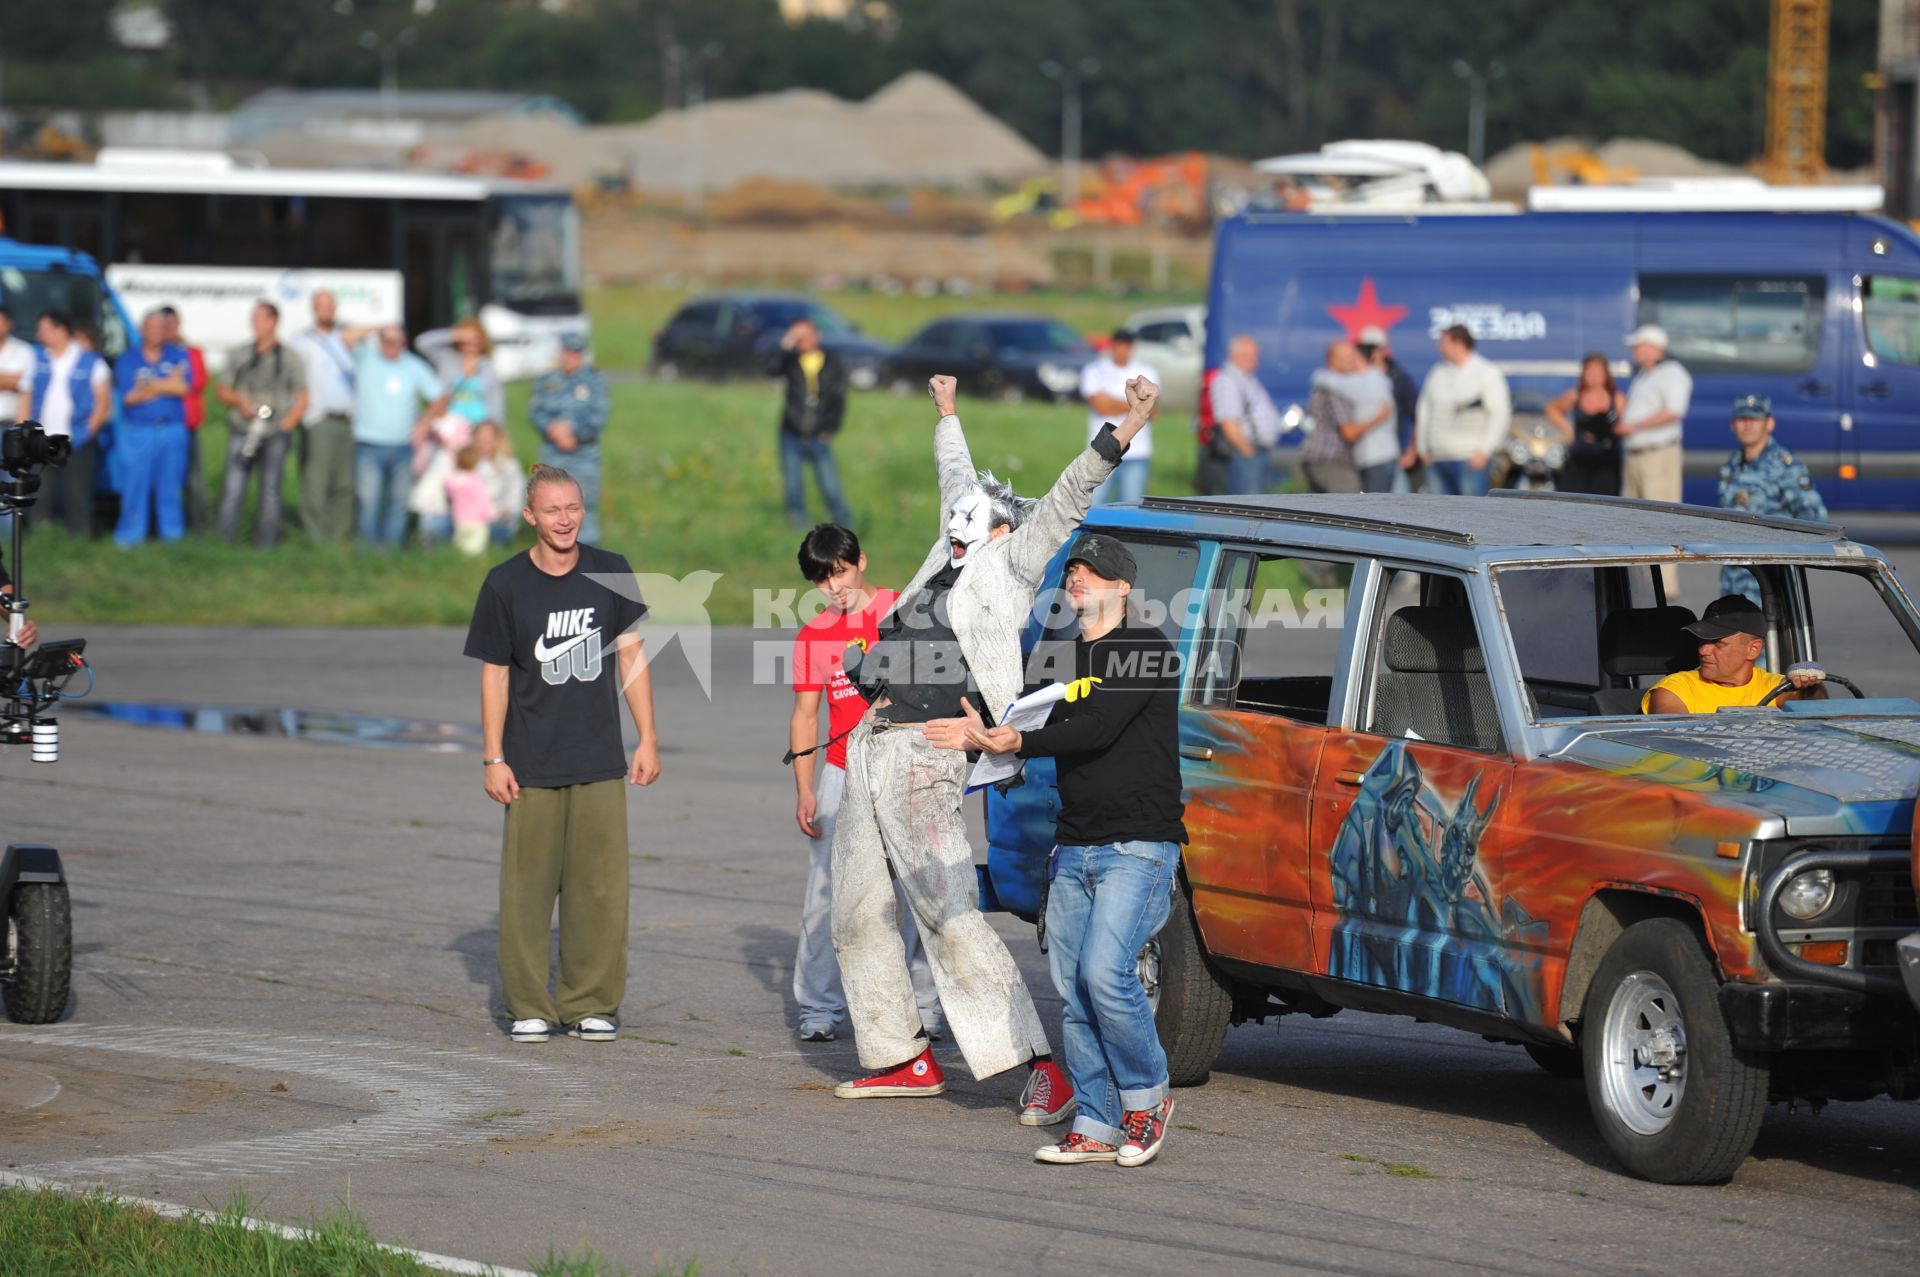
{"points": [[1720, 324], [28, 294], [1890, 308], [536, 252]]}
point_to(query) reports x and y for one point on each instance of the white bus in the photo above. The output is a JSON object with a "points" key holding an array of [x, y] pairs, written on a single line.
{"points": [[220, 233]]}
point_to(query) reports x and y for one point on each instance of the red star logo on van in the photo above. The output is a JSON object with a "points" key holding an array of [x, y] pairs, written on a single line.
{"points": [[1367, 312]]}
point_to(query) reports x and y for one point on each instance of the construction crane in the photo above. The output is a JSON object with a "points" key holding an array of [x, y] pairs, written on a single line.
{"points": [[1797, 93]]}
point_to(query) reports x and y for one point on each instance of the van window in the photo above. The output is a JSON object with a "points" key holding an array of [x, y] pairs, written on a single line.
{"points": [[1890, 308], [1276, 635], [1165, 332], [699, 317], [1724, 324]]}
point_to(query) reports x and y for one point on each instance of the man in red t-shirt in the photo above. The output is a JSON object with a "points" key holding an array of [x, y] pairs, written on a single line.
{"points": [[831, 561], [195, 497]]}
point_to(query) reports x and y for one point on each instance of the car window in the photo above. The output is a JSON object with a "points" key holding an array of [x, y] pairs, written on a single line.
{"points": [[1553, 618], [1860, 631], [1166, 332], [1275, 635], [699, 315], [1727, 324], [1033, 335], [1890, 309], [1426, 667], [943, 336]]}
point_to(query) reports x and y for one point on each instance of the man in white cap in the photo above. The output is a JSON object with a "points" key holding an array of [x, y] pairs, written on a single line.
{"points": [[1656, 407]]}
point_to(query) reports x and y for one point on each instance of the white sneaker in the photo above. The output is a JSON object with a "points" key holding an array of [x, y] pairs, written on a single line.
{"points": [[533, 1029], [594, 1028]]}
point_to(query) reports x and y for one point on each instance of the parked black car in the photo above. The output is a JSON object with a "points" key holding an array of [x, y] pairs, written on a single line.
{"points": [[735, 334], [1006, 356]]}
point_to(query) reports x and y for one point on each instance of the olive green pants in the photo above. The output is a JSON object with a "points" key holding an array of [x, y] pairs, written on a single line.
{"points": [[570, 845]]}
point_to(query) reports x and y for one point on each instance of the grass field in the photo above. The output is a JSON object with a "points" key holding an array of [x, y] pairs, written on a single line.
{"points": [[49, 1234], [691, 483]]}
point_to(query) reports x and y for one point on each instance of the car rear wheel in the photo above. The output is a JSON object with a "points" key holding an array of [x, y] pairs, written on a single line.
{"points": [[666, 370], [1675, 1100], [1191, 1000]]}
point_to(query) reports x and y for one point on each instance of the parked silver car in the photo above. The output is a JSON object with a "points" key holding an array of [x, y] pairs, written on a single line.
{"points": [[1172, 341]]}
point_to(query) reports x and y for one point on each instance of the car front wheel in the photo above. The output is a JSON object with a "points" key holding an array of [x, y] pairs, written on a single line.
{"points": [[1675, 1100], [1191, 1000]]}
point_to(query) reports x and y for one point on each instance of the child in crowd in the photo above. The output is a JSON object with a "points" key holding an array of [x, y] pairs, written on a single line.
{"points": [[432, 464], [506, 479], [471, 503]]}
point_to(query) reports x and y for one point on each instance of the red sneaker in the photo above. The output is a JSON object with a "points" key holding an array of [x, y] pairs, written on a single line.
{"points": [[1146, 1130], [919, 1076], [1048, 1098], [1077, 1148]]}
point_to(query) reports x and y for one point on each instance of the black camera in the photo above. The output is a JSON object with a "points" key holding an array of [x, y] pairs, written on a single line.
{"points": [[26, 449], [30, 683]]}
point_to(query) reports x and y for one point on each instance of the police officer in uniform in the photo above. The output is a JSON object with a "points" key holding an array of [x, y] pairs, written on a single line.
{"points": [[569, 410], [1761, 477]]}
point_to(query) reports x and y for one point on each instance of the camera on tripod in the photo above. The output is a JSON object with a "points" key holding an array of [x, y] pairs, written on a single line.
{"points": [[36, 959]]}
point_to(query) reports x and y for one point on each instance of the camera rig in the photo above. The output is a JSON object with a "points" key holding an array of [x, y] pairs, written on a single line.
{"points": [[36, 958]]}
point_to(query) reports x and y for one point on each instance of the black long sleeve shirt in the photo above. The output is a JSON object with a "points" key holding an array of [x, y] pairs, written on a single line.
{"points": [[1118, 744]]}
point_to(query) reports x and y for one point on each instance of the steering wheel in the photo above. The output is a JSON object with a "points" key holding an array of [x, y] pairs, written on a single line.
{"points": [[1786, 685]]}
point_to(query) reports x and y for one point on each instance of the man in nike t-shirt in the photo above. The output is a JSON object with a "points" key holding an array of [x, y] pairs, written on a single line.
{"points": [[546, 621]]}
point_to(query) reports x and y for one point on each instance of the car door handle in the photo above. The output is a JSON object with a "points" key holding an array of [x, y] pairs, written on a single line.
{"points": [[1199, 753], [1349, 778], [1877, 390], [1813, 386]]}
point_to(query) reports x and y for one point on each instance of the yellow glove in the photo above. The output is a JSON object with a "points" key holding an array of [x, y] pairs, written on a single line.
{"points": [[1080, 688]]}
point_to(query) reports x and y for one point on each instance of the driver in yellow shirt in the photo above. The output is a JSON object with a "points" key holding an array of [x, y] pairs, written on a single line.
{"points": [[1732, 635]]}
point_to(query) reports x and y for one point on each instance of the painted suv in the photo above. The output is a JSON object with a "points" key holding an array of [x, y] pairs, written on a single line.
{"points": [[1418, 781]]}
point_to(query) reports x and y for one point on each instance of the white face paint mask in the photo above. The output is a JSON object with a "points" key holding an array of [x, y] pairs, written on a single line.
{"points": [[968, 524]]}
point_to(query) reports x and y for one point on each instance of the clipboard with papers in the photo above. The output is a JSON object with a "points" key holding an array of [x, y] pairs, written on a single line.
{"points": [[1024, 715]]}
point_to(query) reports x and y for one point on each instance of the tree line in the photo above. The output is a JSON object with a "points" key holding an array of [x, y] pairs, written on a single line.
{"points": [[1240, 77]]}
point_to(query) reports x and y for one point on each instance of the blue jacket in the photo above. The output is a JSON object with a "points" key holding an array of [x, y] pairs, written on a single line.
{"points": [[79, 386], [580, 400]]}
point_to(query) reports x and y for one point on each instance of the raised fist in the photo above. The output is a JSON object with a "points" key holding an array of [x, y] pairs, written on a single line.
{"points": [[943, 389], [1142, 395]]}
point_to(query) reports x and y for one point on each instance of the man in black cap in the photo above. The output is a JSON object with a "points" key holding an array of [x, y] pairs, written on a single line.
{"points": [[1732, 635], [1116, 737]]}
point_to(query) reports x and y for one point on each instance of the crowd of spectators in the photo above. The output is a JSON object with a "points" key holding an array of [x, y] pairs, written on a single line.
{"points": [[391, 443]]}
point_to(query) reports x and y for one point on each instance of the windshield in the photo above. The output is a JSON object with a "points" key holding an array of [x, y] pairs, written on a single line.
{"points": [[28, 294], [1038, 334], [780, 313], [1592, 639], [536, 250]]}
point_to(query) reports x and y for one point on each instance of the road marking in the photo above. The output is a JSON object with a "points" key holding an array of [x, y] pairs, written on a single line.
{"points": [[168, 1210], [419, 1097]]}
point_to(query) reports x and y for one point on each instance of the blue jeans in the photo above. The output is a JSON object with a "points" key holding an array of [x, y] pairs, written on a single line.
{"points": [[1457, 478], [1247, 476], [1128, 483], [795, 455], [382, 478], [583, 463], [153, 474], [1379, 478], [1104, 904]]}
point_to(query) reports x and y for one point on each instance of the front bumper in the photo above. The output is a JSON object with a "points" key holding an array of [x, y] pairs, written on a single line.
{"points": [[1909, 951], [1815, 1017]]}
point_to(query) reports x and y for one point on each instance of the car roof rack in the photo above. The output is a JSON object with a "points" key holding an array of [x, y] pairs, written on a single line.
{"points": [[1320, 518], [1825, 531]]}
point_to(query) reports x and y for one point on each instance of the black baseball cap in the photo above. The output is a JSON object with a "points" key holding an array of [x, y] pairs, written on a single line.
{"points": [[1752, 408], [1109, 559], [1727, 615]]}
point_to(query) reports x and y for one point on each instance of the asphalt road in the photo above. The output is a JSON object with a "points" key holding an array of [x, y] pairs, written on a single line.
{"points": [[284, 983]]}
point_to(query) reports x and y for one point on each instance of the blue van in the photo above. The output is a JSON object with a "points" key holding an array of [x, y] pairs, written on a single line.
{"points": [[36, 278], [1820, 311]]}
